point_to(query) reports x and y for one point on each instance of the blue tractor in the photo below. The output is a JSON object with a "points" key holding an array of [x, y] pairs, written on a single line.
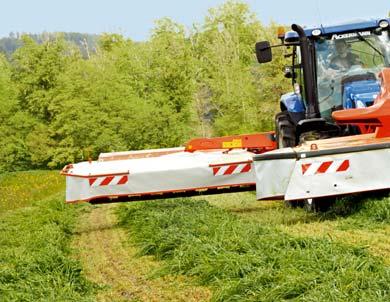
{"points": [[332, 68]]}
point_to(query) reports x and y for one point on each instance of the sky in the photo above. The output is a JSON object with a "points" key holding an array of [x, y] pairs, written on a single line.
{"points": [[135, 19]]}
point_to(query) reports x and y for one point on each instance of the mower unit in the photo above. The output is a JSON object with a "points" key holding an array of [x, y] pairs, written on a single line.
{"points": [[332, 136]]}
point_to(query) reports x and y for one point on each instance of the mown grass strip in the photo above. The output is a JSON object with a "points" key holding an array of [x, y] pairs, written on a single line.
{"points": [[115, 264], [34, 254], [245, 261]]}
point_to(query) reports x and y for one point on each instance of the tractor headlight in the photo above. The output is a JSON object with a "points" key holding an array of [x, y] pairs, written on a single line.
{"points": [[316, 32], [383, 24]]}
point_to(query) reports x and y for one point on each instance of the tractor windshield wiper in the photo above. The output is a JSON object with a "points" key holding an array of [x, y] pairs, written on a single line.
{"points": [[369, 44]]}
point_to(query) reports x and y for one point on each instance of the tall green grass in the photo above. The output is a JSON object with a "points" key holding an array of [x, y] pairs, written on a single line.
{"points": [[365, 211], [35, 262], [377, 210], [245, 261]]}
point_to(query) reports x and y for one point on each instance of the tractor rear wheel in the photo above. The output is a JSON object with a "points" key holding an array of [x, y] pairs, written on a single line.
{"points": [[285, 130], [321, 204], [318, 204], [285, 137]]}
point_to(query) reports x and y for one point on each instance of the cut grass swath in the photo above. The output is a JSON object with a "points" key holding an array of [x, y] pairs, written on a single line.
{"points": [[245, 261], [34, 254]]}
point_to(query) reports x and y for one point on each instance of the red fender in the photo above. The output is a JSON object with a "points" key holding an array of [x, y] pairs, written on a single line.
{"points": [[376, 116]]}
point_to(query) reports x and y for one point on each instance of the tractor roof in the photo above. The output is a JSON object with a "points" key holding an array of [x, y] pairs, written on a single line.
{"points": [[345, 27]]}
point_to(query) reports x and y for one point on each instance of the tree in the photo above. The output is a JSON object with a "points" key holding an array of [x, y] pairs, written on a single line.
{"points": [[14, 124], [232, 81], [122, 98], [60, 105], [35, 72]]}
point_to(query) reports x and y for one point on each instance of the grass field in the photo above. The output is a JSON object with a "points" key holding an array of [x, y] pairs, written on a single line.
{"points": [[360, 221], [218, 248], [251, 251], [24, 188], [36, 229], [50, 251], [117, 265]]}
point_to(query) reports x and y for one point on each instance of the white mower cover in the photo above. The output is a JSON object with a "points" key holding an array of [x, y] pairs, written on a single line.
{"points": [[176, 172], [293, 174]]}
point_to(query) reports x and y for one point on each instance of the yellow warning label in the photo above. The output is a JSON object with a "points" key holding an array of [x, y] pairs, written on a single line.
{"points": [[235, 143]]}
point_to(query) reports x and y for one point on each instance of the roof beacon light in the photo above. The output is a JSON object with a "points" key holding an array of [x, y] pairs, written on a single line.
{"points": [[316, 32], [281, 32], [384, 24]]}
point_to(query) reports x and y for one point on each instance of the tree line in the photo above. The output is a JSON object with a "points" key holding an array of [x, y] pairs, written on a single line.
{"points": [[85, 42], [60, 106]]}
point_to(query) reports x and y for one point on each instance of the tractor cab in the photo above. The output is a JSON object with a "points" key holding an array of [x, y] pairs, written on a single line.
{"points": [[332, 68], [347, 68]]}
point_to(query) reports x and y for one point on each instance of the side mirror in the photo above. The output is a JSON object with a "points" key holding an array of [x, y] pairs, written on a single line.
{"points": [[263, 52]]}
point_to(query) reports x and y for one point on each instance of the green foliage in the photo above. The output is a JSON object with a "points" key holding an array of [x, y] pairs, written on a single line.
{"points": [[34, 252], [245, 261], [35, 71], [60, 105], [85, 42], [14, 124], [102, 105], [235, 88]]}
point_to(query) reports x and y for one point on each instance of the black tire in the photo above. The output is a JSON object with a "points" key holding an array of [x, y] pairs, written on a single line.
{"points": [[285, 130], [285, 137], [294, 203], [318, 205]]}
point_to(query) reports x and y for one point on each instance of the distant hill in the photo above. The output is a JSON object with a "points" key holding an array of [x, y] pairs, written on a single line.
{"points": [[86, 42]]}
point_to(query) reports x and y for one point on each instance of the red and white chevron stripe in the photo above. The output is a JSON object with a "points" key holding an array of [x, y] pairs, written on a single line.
{"points": [[108, 180], [325, 167], [231, 169]]}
